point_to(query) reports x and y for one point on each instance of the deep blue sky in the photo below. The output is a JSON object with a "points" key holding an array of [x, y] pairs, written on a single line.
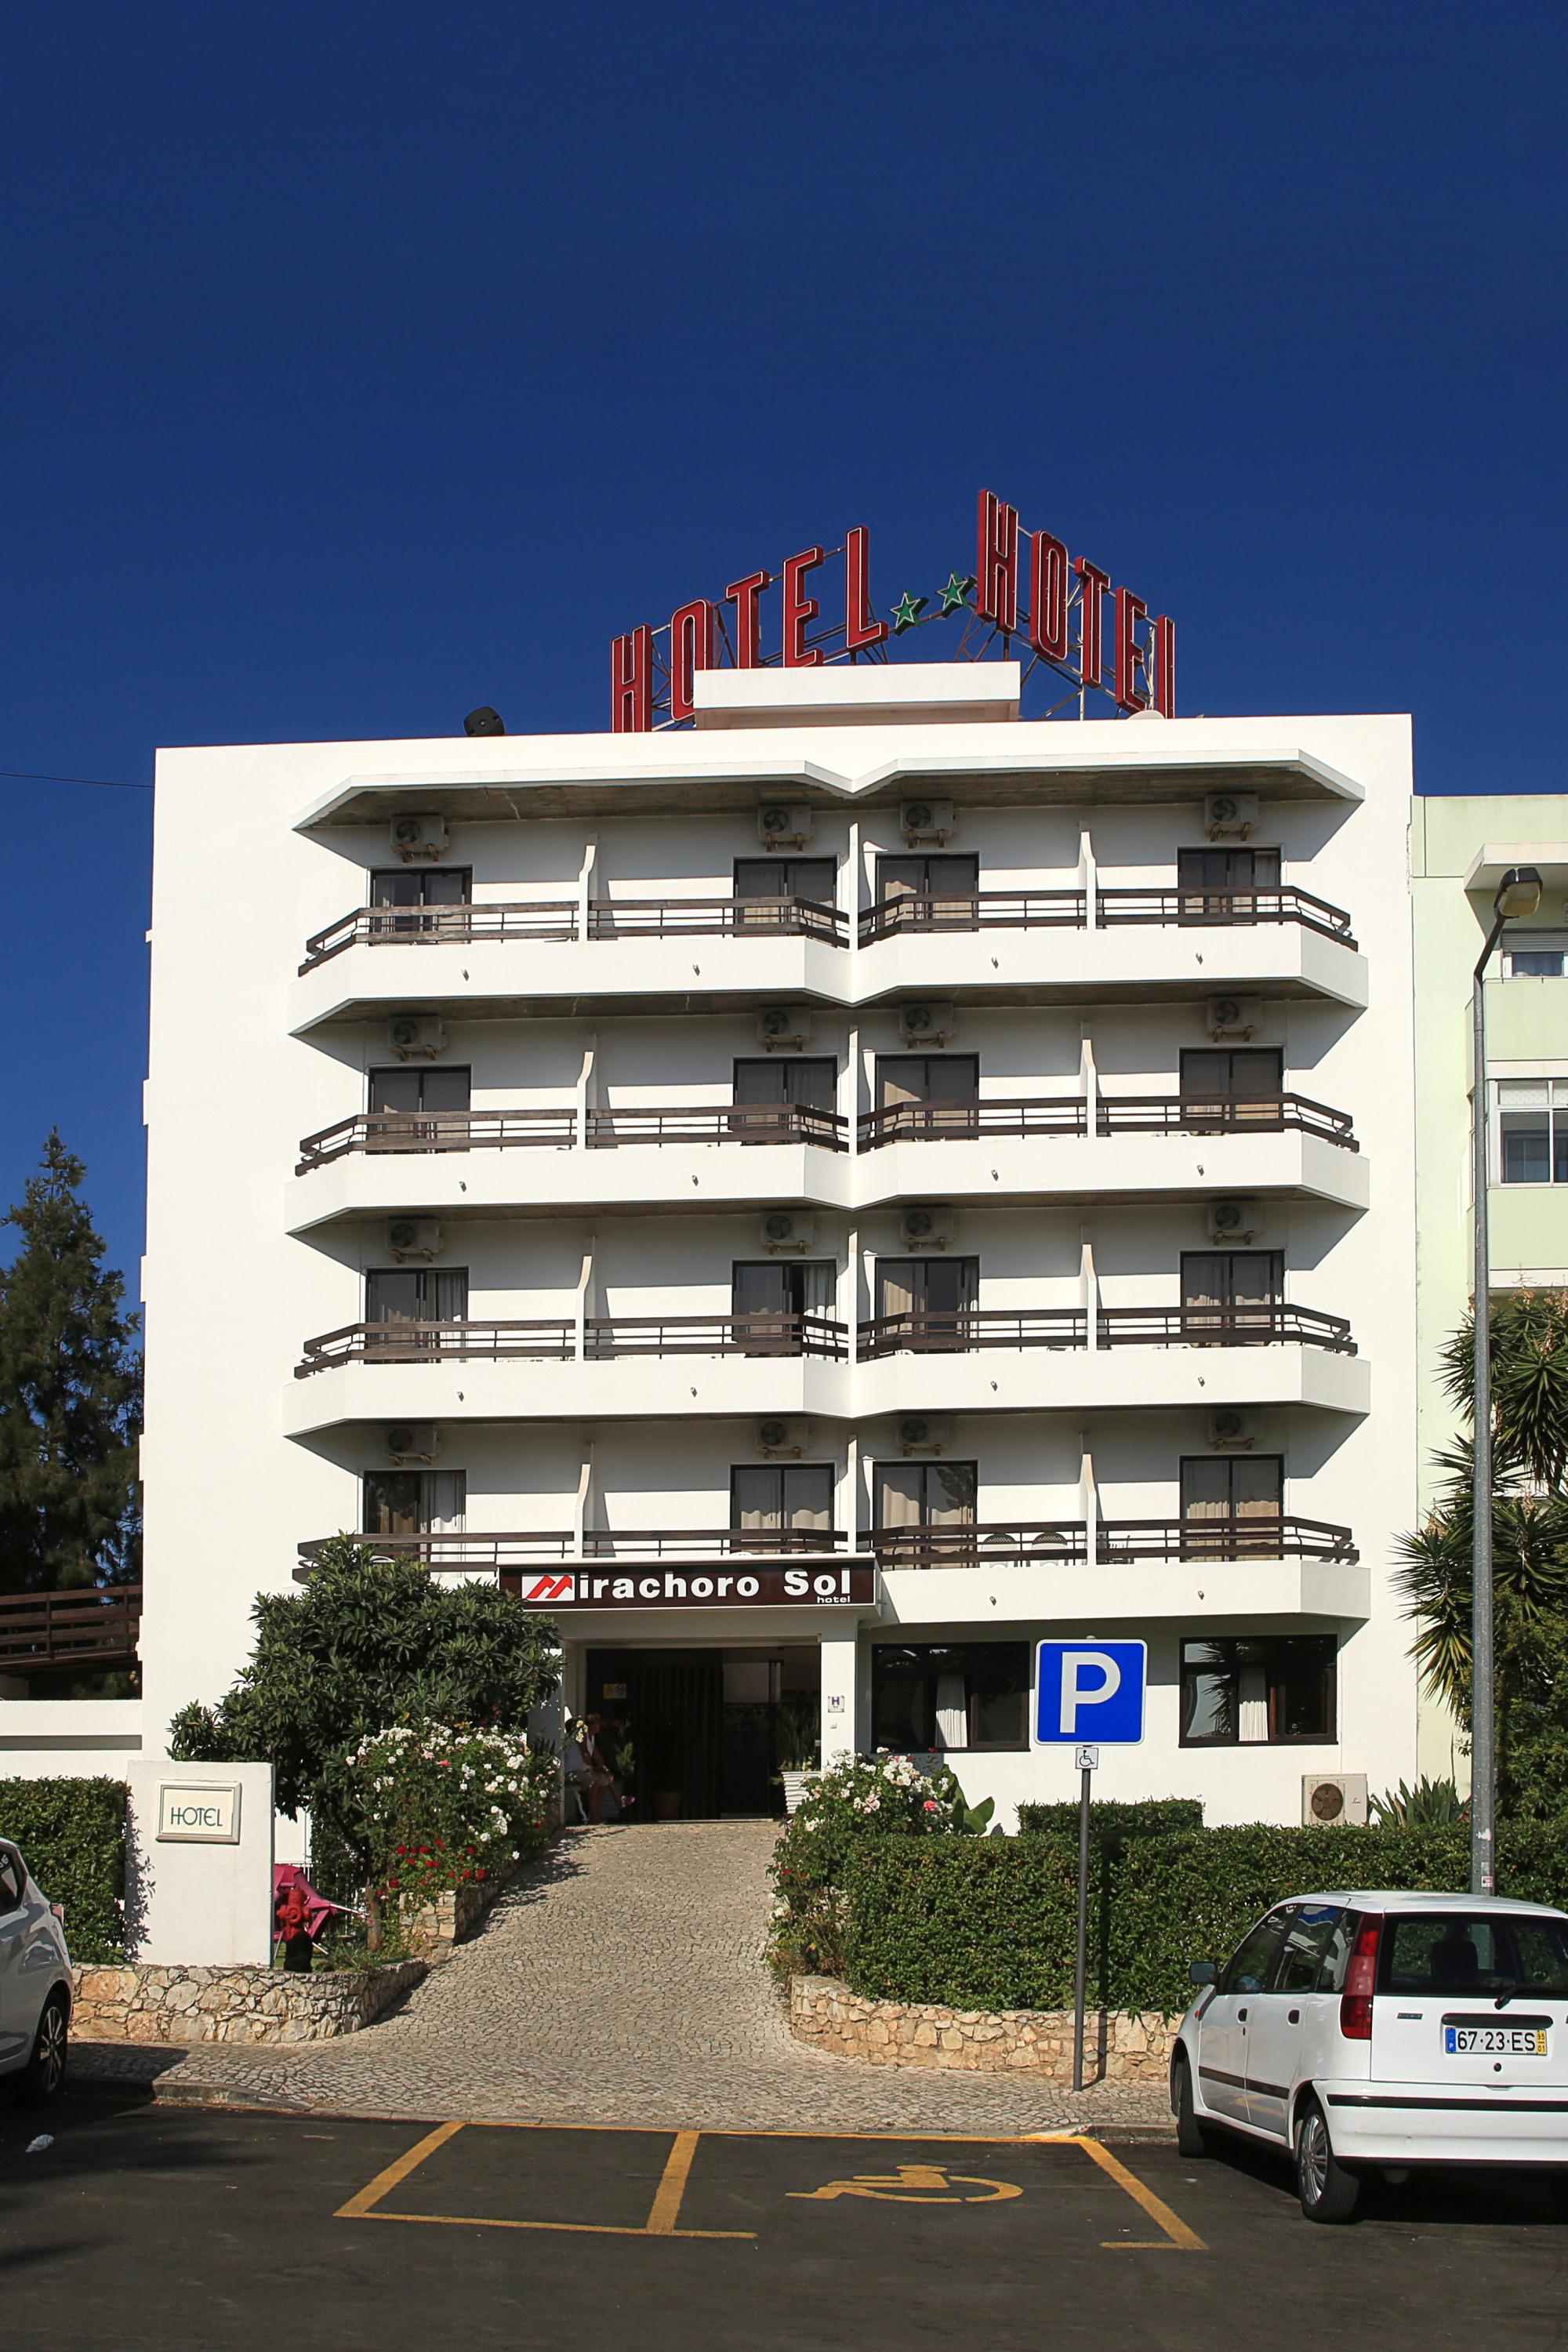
{"points": [[367, 363]]}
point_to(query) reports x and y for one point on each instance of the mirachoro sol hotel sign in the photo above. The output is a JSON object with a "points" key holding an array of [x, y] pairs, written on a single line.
{"points": [[1027, 598], [837, 1587]]}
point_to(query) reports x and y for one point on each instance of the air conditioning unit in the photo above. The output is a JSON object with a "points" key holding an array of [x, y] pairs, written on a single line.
{"points": [[926, 1023], [1229, 1431], [1333, 1800], [1233, 1221], [416, 1036], [783, 1438], [409, 1237], [783, 1026], [783, 825], [416, 1441], [1230, 816], [925, 1433], [1233, 1017], [787, 1229], [415, 837], [926, 1224], [926, 821]]}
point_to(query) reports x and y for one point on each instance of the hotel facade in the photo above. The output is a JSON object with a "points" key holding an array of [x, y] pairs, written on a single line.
{"points": [[816, 1203]]}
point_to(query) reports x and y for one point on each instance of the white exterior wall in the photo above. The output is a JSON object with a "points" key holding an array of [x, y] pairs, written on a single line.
{"points": [[248, 1259]]}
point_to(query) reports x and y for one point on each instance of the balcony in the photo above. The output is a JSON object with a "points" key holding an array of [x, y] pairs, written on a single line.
{"points": [[965, 1329], [605, 1338], [1048, 1542], [549, 1128], [69, 1633], [1000, 947], [463, 1554], [937, 1122]]}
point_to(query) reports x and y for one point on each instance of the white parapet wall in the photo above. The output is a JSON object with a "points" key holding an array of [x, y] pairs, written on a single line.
{"points": [[77, 1738], [199, 1863]]}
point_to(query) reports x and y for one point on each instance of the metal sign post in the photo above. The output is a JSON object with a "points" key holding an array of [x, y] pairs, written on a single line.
{"points": [[1087, 1758], [1097, 1686]]}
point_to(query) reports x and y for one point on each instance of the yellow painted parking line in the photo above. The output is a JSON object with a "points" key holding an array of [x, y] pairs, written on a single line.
{"points": [[671, 2189], [1177, 2233], [661, 2221], [361, 2208]]}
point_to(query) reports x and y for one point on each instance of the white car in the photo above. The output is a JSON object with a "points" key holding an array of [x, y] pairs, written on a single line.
{"points": [[35, 1983], [1383, 2031]]}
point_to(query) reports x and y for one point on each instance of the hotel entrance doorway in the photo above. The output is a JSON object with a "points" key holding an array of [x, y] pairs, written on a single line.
{"points": [[709, 1731]]}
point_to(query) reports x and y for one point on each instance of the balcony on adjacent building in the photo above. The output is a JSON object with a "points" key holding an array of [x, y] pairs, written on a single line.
{"points": [[69, 1633]]}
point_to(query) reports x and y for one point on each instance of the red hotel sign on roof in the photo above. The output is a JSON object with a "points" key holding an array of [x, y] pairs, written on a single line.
{"points": [[1061, 627], [839, 1587]]}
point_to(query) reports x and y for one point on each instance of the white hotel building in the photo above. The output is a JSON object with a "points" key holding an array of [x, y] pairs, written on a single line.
{"points": [[819, 1202]]}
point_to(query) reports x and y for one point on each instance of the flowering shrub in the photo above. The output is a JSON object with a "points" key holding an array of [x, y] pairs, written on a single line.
{"points": [[440, 1806], [863, 1797]]}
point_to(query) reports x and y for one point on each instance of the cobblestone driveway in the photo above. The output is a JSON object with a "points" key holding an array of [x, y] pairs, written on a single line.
{"points": [[623, 1982]]}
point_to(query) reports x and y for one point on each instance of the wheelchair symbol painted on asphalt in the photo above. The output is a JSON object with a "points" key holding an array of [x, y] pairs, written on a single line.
{"points": [[914, 2184]]}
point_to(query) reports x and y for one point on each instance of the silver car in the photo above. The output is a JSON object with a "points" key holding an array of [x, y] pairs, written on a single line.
{"points": [[35, 1982], [1380, 2032]]}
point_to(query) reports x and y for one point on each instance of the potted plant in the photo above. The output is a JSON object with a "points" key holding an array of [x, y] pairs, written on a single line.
{"points": [[797, 1740]]}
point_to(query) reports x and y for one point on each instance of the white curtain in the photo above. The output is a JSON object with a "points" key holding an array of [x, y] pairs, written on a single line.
{"points": [[446, 1501], [952, 1712], [1253, 1711]]}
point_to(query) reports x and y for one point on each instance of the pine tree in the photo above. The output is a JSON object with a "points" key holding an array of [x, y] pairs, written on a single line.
{"points": [[71, 1396]]}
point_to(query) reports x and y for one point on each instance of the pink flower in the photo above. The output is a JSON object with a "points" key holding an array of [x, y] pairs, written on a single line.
{"points": [[929, 1805]]}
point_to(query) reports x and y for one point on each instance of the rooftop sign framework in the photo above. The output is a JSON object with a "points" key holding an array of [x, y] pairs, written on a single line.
{"points": [[1061, 627]]}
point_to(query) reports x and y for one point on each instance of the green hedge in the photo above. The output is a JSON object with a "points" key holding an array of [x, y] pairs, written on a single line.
{"points": [[991, 1923], [1114, 1820], [73, 1837]]}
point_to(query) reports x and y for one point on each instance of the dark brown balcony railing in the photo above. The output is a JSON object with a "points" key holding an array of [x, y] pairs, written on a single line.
{"points": [[718, 1123], [554, 919], [939, 1122], [1282, 904], [625, 919], [1063, 1541], [715, 1335], [437, 1131], [959, 1330], [972, 910], [48, 1633], [462, 1552], [424, 1343], [1222, 1115]]}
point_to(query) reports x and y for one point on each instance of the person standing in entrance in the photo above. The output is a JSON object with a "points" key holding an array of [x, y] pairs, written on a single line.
{"points": [[600, 1777]]}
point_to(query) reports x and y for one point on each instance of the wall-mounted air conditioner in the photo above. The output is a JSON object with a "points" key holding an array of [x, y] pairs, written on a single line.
{"points": [[409, 1237], [925, 1433], [784, 1439], [417, 1036], [921, 821], [1230, 816], [783, 825], [1332, 1799], [926, 1023], [1229, 1431], [783, 1027], [1234, 1221], [414, 837], [412, 1441], [1233, 1017], [787, 1229], [926, 1224]]}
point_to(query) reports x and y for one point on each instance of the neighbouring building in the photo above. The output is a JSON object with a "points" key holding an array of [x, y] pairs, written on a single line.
{"points": [[817, 1202], [1460, 849]]}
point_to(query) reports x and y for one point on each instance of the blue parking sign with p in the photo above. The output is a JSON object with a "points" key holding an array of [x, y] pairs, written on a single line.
{"points": [[1090, 1691]]}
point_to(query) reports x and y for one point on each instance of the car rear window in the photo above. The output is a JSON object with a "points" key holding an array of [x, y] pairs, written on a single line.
{"points": [[1448, 1954]]}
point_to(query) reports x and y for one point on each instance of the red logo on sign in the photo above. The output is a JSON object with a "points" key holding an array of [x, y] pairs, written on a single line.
{"points": [[552, 1588]]}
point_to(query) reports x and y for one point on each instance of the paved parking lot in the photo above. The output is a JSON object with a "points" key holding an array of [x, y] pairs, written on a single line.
{"points": [[246, 2232]]}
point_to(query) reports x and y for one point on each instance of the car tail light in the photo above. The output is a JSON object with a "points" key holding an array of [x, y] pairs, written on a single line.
{"points": [[1361, 1978]]}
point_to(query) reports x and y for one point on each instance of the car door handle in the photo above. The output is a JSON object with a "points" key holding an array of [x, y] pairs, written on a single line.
{"points": [[1241, 2017], [1293, 2017]]}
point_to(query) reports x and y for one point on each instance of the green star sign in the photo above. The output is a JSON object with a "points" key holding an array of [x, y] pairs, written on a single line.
{"points": [[955, 595], [906, 611]]}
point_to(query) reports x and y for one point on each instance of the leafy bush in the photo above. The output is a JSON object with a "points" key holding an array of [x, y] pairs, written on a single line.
{"points": [[438, 1806], [1429, 1805], [1114, 1820], [862, 1801], [979, 1923], [73, 1837]]}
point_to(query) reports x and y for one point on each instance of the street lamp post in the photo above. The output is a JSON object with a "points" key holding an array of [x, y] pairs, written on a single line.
{"points": [[1519, 893]]}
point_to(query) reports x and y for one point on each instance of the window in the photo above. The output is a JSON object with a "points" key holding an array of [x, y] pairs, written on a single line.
{"points": [[773, 1294], [1254, 1955], [410, 893], [1248, 1690], [1310, 1931], [413, 1502], [407, 1088], [814, 879], [1534, 955], [777, 1498], [13, 1882], [1447, 1955], [1213, 870], [1218, 1287], [1530, 1120], [928, 1300], [961, 1695], [927, 1508], [399, 1295], [928, 1094], [808, 1080], [1223, 1077], [1221, 1493], [943, 890]]}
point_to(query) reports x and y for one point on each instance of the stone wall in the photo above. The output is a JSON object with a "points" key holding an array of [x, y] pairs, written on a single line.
{"points": [[455, 1915], [229, 2004], [1118, 2047]]}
